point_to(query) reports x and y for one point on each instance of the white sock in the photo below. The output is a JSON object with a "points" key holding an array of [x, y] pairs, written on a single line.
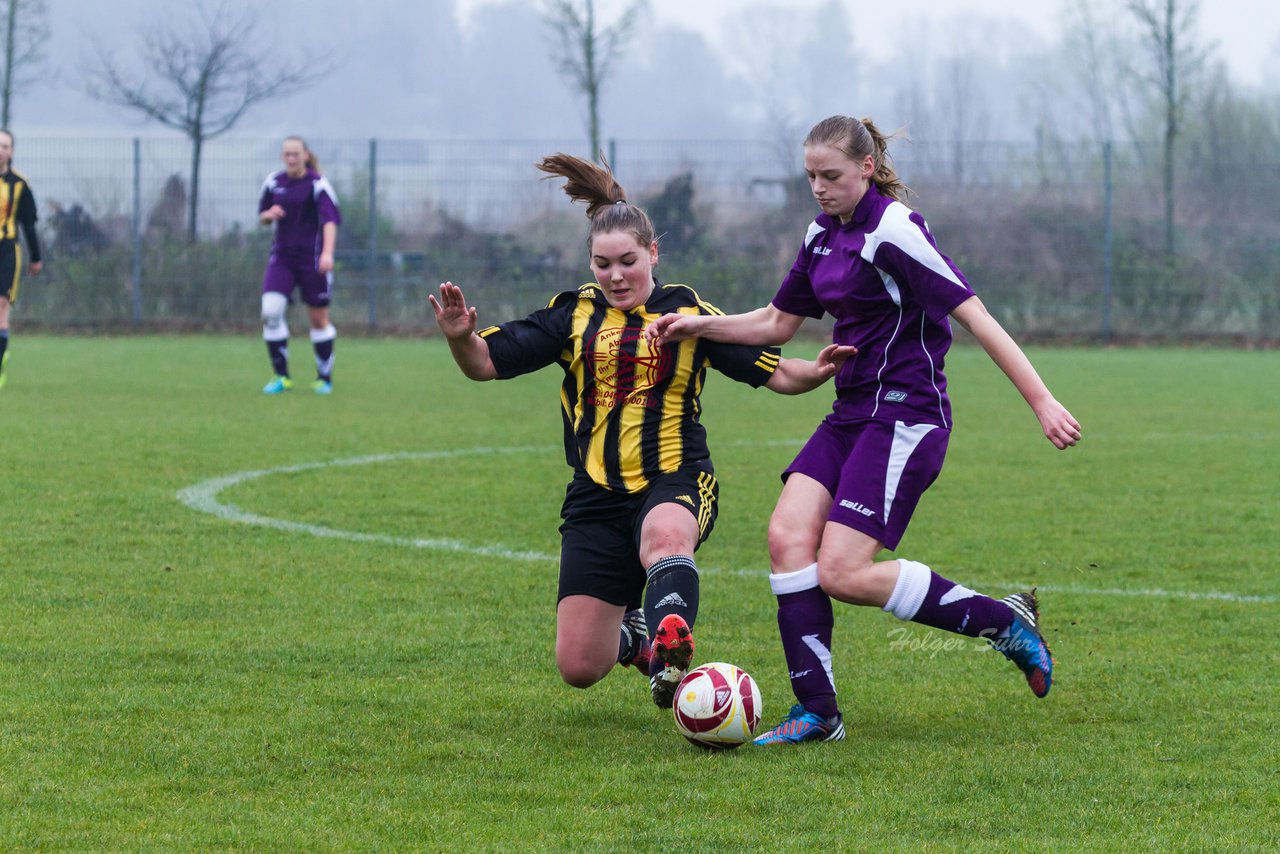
{"points": [[794, 582], [910, 590]]}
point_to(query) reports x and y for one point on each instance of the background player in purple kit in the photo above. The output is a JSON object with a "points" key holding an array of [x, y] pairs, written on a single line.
{"points": [[17, 211], [870, 261], [302, 205], [644, 493]]}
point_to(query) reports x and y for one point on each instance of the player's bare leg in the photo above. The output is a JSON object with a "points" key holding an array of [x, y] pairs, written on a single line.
{"points": [[587, 632], [4, 337]]}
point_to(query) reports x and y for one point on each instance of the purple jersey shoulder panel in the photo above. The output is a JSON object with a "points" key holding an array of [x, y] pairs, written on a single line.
{"points": [[265, 197], [326, 199]]}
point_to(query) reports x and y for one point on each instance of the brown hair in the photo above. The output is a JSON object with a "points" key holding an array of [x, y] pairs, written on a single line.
{"points": [[856, 139], [311, 162], [606, 200]]}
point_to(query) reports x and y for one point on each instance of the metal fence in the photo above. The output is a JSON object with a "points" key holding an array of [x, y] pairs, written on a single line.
{"points": [[1063, 240]]}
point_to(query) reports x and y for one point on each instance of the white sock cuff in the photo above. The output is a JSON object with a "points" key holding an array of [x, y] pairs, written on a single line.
{"points": [[327, 334], [908, 594], [794, 582]]}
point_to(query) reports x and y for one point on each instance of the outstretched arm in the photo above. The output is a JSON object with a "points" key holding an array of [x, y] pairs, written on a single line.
{"points": [[796, 376], [767, 326], [1059, 426], [458, 323]]}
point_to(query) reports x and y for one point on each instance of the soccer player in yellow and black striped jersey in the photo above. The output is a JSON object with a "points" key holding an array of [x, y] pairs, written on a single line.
{"points": [[17, 208], [643, 495]]}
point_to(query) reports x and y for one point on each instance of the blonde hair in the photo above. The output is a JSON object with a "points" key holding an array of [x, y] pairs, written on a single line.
{"points": [[606, 200], [856, 139]]}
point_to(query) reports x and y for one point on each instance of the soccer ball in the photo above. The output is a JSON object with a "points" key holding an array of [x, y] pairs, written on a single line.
{"points": [[717, 706]]}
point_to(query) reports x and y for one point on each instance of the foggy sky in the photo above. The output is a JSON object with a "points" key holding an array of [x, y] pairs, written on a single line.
{"points": [[408, 68]]}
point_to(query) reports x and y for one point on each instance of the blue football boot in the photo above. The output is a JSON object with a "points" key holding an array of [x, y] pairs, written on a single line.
{"points": [[1024, 645], [801, 725], [277, 385]]}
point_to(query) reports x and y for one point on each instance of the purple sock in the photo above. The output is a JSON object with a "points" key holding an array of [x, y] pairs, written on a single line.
{"points": [[805, 622], [923, 596]]}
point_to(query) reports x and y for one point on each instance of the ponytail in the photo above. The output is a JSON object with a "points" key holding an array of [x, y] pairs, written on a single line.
{"points": [[606, 200]]}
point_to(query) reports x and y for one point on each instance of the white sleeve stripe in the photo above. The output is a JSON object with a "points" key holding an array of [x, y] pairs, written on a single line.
{"points": [[897, 229], [322, 185], [814, 231]]}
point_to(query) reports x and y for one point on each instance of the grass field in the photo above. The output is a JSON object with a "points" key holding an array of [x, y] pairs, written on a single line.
{"points": [[340, 638]]}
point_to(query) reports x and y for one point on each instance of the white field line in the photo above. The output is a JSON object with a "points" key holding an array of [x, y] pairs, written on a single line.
{"points": [[203, 497]]}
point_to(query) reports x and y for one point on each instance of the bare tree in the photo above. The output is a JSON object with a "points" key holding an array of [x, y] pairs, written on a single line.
{"points": [[963, 112], [1168, 30], [200, 77], [584, 52], [1092, 65], [26, 31]]}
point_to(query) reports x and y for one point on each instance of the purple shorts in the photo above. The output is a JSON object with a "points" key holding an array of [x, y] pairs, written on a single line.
{"points": [[284, 274], [876, 471]]}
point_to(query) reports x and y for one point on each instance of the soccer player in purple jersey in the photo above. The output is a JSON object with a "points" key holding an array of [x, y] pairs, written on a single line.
{"points": [[643, 495], [303, 207], [17, 212], [870, 262]]}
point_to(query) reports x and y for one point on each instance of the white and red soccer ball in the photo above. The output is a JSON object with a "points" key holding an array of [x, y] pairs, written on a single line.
{"points": [[717, 706]]}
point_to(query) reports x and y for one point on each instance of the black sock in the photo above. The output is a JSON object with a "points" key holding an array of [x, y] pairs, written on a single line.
{"points": [[324, 359], [4, 345], [672, 589], [279, 353]]}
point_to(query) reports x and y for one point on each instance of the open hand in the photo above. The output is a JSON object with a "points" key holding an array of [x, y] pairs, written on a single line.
{"points": [[453, 316]]}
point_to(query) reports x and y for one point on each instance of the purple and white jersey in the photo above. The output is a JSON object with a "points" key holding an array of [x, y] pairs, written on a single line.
{"points": [[890, 290], [309, 202]]}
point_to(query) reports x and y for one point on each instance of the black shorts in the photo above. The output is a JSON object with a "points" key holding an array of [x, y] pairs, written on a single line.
{"points": [[600, 536], [10, 269]]}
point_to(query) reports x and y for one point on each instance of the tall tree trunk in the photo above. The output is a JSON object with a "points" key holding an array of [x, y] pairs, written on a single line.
{"points": [[193, 192], [10, 26], [1171, 121], [1170, 133], [593, 81]]}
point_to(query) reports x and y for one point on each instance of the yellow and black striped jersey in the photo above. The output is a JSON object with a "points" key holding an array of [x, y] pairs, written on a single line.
{"points": [[631, 412], [18, 208]]}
